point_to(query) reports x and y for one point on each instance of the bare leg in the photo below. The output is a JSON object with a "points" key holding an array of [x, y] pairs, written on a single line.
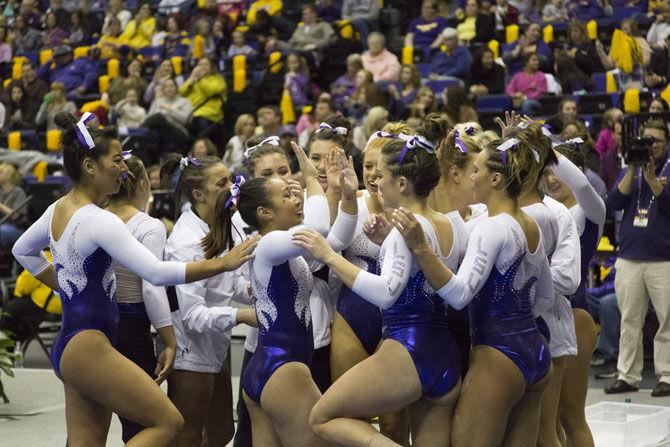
{"points": [[431, 419], [262, 431], [547, 436], [346, 350], [576, 384], [366, 390], [490, 390], [524, 419], [287, 399], [111, 382], [192, 394], [219, 424]]}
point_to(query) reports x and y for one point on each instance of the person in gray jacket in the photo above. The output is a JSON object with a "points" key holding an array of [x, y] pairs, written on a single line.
{"points": [[312, 37]]}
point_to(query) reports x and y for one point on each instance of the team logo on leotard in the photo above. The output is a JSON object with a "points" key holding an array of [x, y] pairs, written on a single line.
{"points": [[396, 269], [479, 266]]}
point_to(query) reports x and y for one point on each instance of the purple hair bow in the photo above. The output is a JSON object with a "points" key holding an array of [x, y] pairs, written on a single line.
{"points": [[83, 135]]}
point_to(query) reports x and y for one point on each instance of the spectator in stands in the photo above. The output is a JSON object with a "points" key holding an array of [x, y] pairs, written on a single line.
{"points": [[20, 110], [271, 7], [269, 120], [297, 80], [11, 8], [583, 50], [632, 57], [487, 77], [239, 46], [379, 61], [528, 43], [345, 85], [92, 25], [78, 75], [363, 15], [658, 105], [659, 30], [313, 37], [569, 76], [78, 30], [34, 87], [425, 103], [457, 107], [268, 30], [567, 109], [130, 113], [62, 16], [120, 85], [577, 128], [5, 47], [424, 31], [555, 11], [399, 98], [163, 72], [643, 264], [31, 12], [11, 197], [115, 9], [203, 147], [477, 25], [658, 72], [110, 42], [53, 35], [454, 61], [506, 13], [154, 174], [366, 95], [608, 148], [329, 10], [206, 89], [209, 46], [25, 39], [138, 32], [167, 120], [53, 103], [233, 157], [528, 86], [376, 119], [308, 123], [585, 10]]}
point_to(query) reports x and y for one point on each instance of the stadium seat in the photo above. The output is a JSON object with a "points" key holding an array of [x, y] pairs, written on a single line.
{"points": [[591, 104], [511, 33], [438, 85], [493, 103], [81, 52], [45, 55]]}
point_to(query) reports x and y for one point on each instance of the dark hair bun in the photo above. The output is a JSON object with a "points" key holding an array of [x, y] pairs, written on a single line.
{"points": [[65, 121]]}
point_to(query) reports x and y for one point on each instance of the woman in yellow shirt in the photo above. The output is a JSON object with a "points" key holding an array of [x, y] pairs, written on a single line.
{"points": [[206, 89], [139, 31]]}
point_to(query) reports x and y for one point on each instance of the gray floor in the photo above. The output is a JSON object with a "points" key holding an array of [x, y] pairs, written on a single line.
{"points": [[36, 415]]}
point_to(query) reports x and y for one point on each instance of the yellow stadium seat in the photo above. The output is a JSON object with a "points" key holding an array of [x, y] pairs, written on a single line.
{"points": [[494, 46], [511, 33], [286, 107], [631, 101], [198, 46], [113, 68], [80, 52], [408, 55], [239, 80], [177, 64], [103, 83], [16, 69], [14, 141], [6, 82], [346, 29], [592, 29], [548, 34], [239, 62], [275, 62], [45, 55], [40, 171], [53, 139], [610, 83]]}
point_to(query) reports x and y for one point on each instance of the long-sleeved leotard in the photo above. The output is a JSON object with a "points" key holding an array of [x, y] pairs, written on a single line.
{"points": [[504, 282], [82, 258], [413, 314]]}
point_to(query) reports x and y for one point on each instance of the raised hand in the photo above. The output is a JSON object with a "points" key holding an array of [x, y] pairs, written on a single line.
{"points": [[376, 227], [306, 166], [348, 178]]}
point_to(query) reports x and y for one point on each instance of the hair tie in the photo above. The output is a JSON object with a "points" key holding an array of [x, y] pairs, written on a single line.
{"points": [[459, 143], [273, 140], [338, 130], [470, 130], [235, 191], [411, 141], [577, 141], [380, 134], [512, 144], [186, 161], [126, 154], [83, 135]]}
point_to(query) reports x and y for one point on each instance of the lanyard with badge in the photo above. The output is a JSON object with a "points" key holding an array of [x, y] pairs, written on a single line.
{"points": [[641, 219]]}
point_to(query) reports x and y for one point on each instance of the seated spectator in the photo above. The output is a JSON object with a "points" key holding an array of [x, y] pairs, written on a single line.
{"points": [[206, 89], [345, 85], [555, 11], [506, 13], [454, 61], [53, 103], [31, 12], [528, 86], [79, 35], [54, 35], [424, 31], [163, 72], [312, 37], [115, 10], [268, 30], [309, 122], [487, 77], [269, 122], [366, 95], [399, 98], [629, 52], [271, 7], [130, 113], [233, 156], [34, 87], [379, 61], [583, 50], [577, 128], [363, 15], [110, 42], [477, 25], [659, 30], [608, 148], [457, 107], [658, 73], [569, 76], [297, 80], [329, 10], [89, 19], [239, 46], [138, 32], [11, 196], [120, 85], [209, 48], [425, 103], [658, 105], [25, 39], [375, 120], [78, 75], [528, 43], [201, 148], [585, 10], [568, 110], [5, 47], [167, 120], [20, 111], [62, 15]]}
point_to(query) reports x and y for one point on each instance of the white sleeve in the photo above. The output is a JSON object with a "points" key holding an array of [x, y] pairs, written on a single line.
{"points": [[109, 232], [28, 248], [155, 298], [486, 241], [566, 261], [544, 289], [241, 285], [384, 289], [342, 233], [586, 195]]}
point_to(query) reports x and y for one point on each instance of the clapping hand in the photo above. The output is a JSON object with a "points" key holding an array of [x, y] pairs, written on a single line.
{"points": [[376, 227]]}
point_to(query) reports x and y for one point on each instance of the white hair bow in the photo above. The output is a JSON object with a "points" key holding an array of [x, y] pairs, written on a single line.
{"points": [[273, 140], [83, 135], [338, 130]]}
